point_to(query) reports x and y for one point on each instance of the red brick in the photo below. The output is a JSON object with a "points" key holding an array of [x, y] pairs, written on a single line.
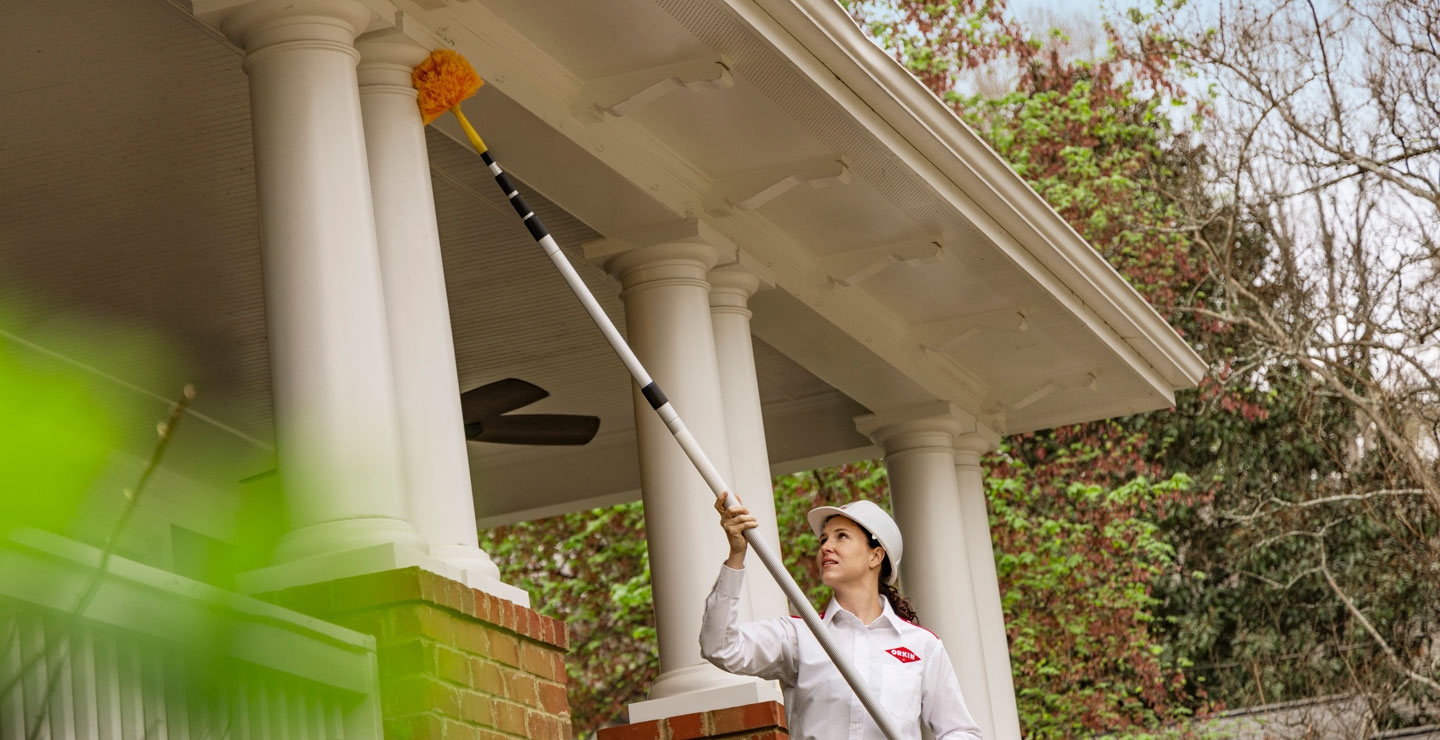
{"points": [[375, 589], [764, 714], [476, 707], [638, 731], [553, 698], [487, 676], [557, 667], [470, 636], [559, 634], [477, 604], [465, 601], [451, 597], [437, 624], [404, 622], [452, 666], [509, 717], [485, 607], [687, 727], [542, 726], [521, 688], [749, 717], [419, 694], [431, 586], [455, 730], [536, 660], [406, 658], [505, 648]]}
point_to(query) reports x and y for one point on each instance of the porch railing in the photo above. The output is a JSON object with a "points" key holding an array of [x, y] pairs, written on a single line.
{"points": [[156, 656]]}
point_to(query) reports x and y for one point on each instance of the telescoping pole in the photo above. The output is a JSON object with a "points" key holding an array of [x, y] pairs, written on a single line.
{"points": [[677, 427]]}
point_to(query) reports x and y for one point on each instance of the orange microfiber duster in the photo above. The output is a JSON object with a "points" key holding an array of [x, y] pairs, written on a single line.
{"points": [[443, 80]]}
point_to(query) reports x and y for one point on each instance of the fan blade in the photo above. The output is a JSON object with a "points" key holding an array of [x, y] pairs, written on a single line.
{"points": [[535, 429], [494, 399]]}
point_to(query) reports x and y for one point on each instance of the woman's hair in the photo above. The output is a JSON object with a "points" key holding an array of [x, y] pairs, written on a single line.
{"points": [[899, 603]]}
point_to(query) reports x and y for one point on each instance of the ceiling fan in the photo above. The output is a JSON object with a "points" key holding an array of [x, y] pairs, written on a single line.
{"points": [[486, 411]]}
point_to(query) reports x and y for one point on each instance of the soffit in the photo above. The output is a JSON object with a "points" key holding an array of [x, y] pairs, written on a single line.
{"points": [[913, 325], [130, 245]]}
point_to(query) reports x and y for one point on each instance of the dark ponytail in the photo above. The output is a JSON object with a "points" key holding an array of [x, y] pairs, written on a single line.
{"points": [[898, 603]]}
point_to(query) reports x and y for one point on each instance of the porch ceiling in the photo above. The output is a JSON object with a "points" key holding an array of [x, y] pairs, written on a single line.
{"points": [[127, 185]]}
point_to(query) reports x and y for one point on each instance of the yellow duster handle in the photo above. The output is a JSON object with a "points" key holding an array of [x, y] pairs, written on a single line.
{"points": [[475, 141]]}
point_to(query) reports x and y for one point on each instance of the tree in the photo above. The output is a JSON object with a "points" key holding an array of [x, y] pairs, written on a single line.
{"points": [[1313, 199]]}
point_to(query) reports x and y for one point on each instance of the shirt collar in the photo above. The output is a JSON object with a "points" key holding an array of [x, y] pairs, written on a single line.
{"points": [[887, 614]]}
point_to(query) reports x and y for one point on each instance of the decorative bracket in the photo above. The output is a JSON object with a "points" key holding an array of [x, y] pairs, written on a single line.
{"points": [[750, 190], [1084, 381], [623, 94], [944, 335], [852, 268]]}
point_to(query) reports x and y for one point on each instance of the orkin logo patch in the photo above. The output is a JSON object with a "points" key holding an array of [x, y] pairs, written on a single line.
{"points": [[903, 655]]}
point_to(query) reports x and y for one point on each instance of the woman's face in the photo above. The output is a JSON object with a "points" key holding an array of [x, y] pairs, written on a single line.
{"points": [[845, 553]]}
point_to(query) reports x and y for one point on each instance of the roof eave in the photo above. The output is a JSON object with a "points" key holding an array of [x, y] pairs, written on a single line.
{"points": [[828, 47]]}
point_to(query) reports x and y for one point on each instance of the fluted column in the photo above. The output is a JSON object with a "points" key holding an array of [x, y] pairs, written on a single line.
{"points": [[730, 289], [980, 552], [935, 574], [667, 316], [432, 433], [336, 425]]}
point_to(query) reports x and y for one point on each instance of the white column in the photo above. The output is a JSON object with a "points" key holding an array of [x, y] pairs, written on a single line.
{"points": [[336, 425], [975, 518], [730, 289], [667, 316], [935, 573], [432, 429]]}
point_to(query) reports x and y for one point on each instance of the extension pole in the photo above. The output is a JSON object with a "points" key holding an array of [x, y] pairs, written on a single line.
{"points": [[677, 427]]}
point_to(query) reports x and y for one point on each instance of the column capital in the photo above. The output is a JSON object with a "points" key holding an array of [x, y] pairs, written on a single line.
{"points": [[255, 24], [631, 257], [970, 446], [933, 418], [732, 285], [978, 441], [403, 45]]}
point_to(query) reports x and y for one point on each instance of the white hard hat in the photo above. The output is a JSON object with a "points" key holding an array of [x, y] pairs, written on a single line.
{"points": [[874, 520]]}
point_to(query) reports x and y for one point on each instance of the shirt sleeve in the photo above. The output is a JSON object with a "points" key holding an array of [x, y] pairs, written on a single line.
{"points": [[767, 649], [942, 707]]}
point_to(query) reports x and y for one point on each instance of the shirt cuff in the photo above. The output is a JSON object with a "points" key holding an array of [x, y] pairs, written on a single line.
{"points": [[730, 581]]}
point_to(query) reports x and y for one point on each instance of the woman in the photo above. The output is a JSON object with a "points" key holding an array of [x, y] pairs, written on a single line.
{"points": [[904, 664]]}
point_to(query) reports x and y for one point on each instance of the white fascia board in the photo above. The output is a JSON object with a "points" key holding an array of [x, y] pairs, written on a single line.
{"points": [[826, 46]]}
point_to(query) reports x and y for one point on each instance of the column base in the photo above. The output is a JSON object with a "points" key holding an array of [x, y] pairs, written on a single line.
{"points": [[702, 688], [365, 560], [472, 560], [759, 721]]}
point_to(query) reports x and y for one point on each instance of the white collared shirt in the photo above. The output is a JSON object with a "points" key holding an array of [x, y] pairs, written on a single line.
{"points": [[904, 664]]}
